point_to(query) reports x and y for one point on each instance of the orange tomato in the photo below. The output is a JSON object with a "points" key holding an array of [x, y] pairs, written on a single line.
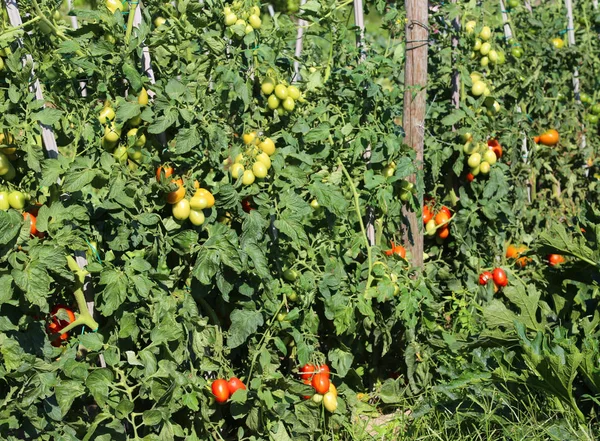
{"points": [[167, 170], [470, 177], [32, 223], [511, 252], [555, 259], [177, 195], [442, 217], [396, 249], [495, 146], [443, 232], [427, 214], [550, 138]]}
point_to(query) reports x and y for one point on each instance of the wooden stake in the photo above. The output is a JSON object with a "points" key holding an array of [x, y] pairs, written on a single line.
{"points": [[415, 97]]}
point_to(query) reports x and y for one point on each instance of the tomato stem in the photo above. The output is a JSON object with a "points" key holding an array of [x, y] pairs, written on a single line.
{"points": [[85, 318], [51, 25], [130, 19], [361, 223]]}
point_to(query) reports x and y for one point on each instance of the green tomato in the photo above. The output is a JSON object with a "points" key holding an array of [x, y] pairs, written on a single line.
{"points": [[230, 19], [293, 92], [281, 91], [593, 119], [289, 104], [489, 156], [485, 34], [273, 102], [484, 61], [405, 195], [254, 21], [470, 26], [478, 88], [4, 204], [484, 168], [248, 177], [120, 154], [477, 44], [181, 210], [114, 5], [268, 86], [107, 114], [493, 56], [516, 52], [4, 164], [17, 200], [585, 98], [290, 275], [430, 228], [512, 3], [259, 170], [281, 316], [485, 48], [196, 217], [112, 133], [474, 160], [292, 296], [469, 148], [315, 204], [596, 109]]}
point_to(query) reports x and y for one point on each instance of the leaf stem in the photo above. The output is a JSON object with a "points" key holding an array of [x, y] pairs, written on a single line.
{"points": [[130, 22], [263, 338], [361, 223]]}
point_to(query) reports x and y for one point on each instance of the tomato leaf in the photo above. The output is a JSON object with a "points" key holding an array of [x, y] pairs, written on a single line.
{"points": [[244, 323]]}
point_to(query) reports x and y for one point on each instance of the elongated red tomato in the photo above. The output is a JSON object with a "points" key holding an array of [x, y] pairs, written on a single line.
{"points": [[485, 277], [220, 390], [324, 369], [499, 276], [427, 214], [307, 371], [321, 383], [234, 384]]}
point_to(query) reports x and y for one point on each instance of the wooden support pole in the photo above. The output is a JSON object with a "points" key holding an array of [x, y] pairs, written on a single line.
{"points": [[415, 100]]}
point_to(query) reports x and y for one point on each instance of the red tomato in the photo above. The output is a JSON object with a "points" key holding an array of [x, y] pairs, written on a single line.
{"points": [[324, 369], [234, 384], [396, 249], [32, 226], [307, 382], [443, 232], [441, 218], [446, 210], [307, 371], [555, 259], [427, 214], [247, 205], [58, 324], [220, 390], [321, 383], [470, 177], [495, 146], [485, 277], [500, 277]]}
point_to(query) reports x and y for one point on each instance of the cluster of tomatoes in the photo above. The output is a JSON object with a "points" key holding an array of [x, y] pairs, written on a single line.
{"points": [[498, 276], [18, 200], [593, 109], [478, 88], [549, 138], [319, 378], [281, 97], [183, 208], [481, 156], [136, 140], [255, 161], [437, 225], [116, 5], [57, 324], [235, 15], [516, 252], [482, 45], [222, 389]]}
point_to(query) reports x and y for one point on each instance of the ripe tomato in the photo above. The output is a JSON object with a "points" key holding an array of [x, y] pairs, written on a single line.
{"points": [[485, 277], [511, 252], [470, 177], [307, 371], [57, 324], [396, 249], [555, 259], [499, 276], [330, 401], [495, 146], [324, 369], [427, 214], [28, 217], [220, 389], [165, 171], [234, 384], [442, 217], [549, 138], [443, 232], [320, 382], [247, 205]]}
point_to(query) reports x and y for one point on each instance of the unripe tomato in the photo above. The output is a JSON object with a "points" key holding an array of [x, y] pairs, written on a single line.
{"points": [[315, 204], [196, 217], [267, 86], [267, 146], [484, 61], [485, 277], [478, 88], [470, 26], [114, 5], [4, 164], [290, 275], [320, 382], [159, 21], [485, 34], [220, 389], [112, 133], [230, 19], [317, 398], [255, 10], [485, 48], [512, 3], [249, 138], [234, 384], [4, 205], [254, 21], [106, 115], [265, 159], [474, 160], [330, 402], [293, 92], [199, 202], [237, 170], [181, 210], [143, 97], [248, 177], [499, 276], [430, 228], [517, 52], [281, 316], [273, 102], [484, 168], [281, 91], [489, 156], [333, 389], [477, 44], [558, 43], [120, 154], [307, 371], [493, 56], [17, 200], [289, 104], [259, 170]]}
